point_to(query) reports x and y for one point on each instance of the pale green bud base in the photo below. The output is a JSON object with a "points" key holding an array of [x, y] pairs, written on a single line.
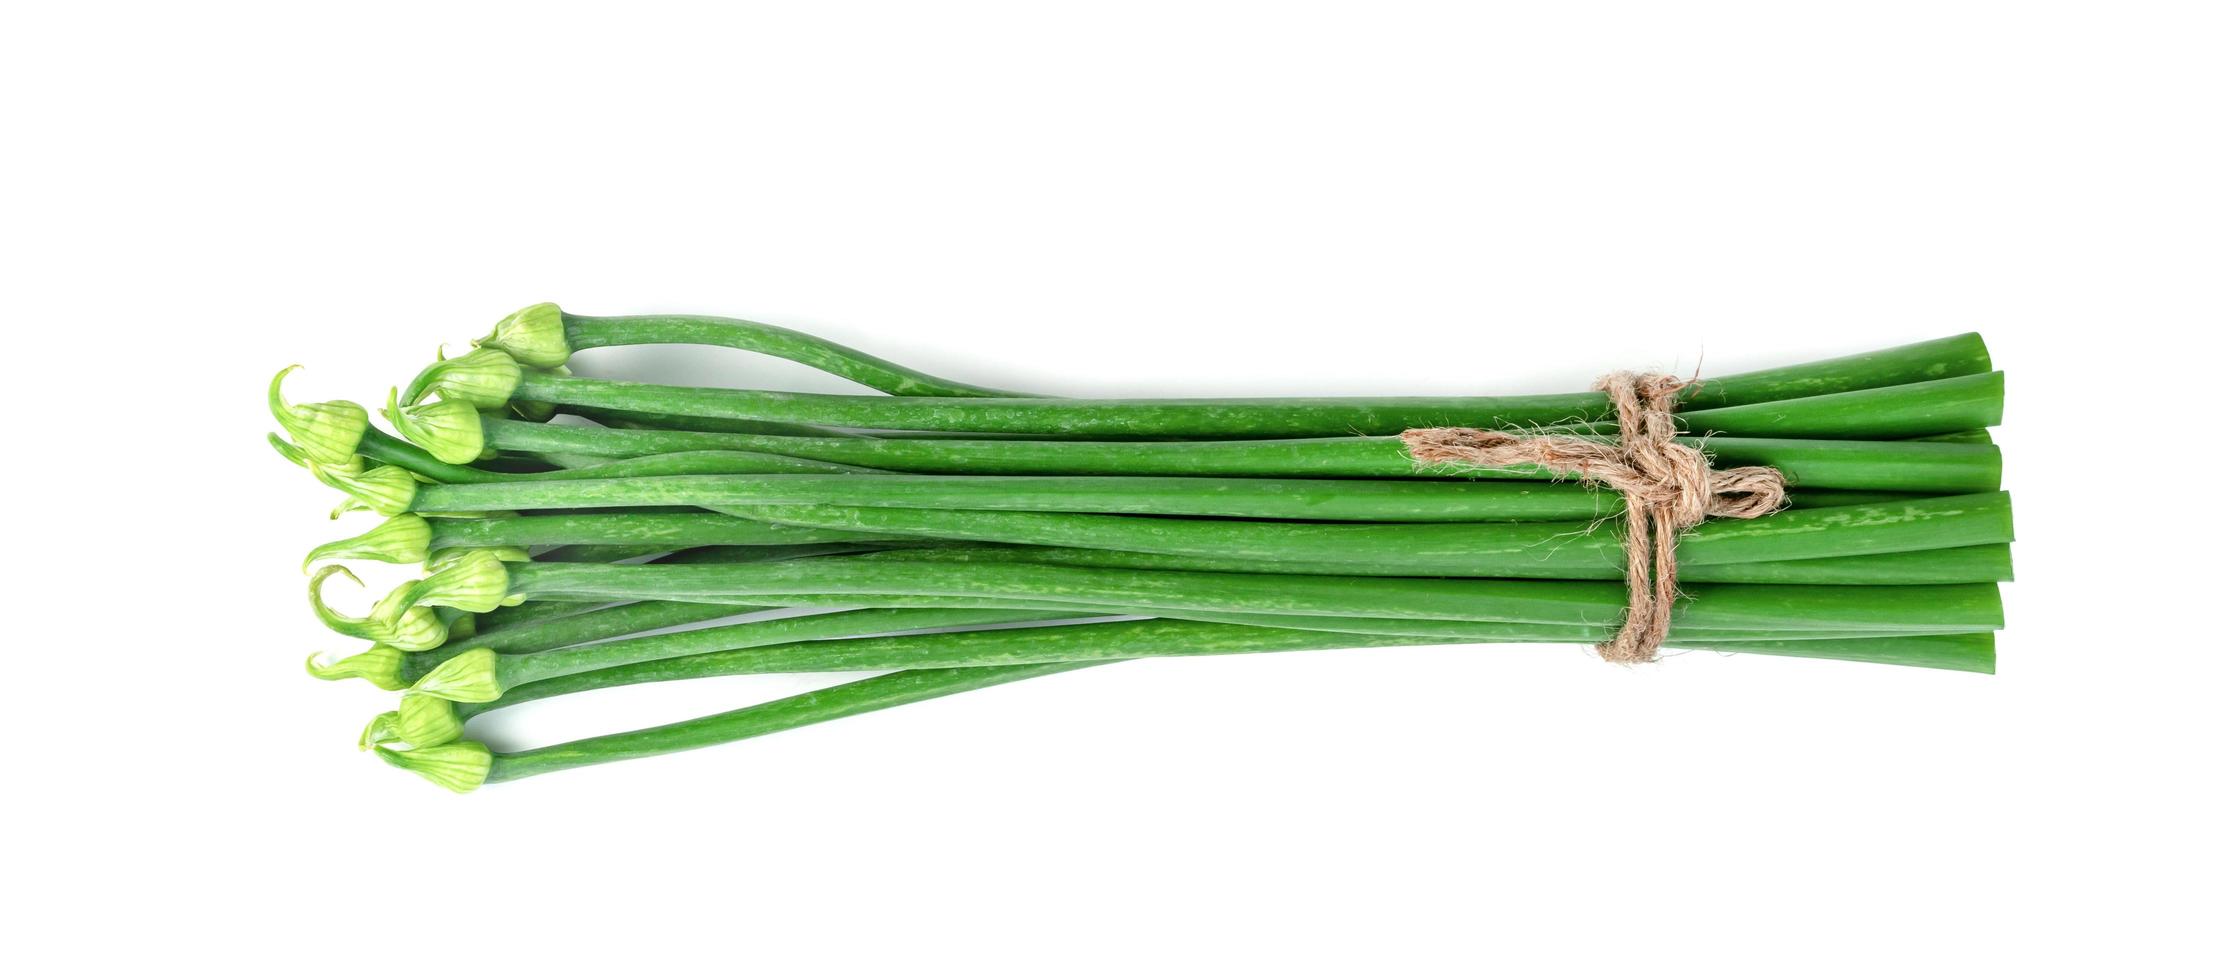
{"points": [[534, 336], [421, 722], [424, 721], [471, 676], [387, 490], [483, 378], [326, 432], [383, 730], [401, 540], [459, 766], [474, 581], [379, 665], [450, 431]]}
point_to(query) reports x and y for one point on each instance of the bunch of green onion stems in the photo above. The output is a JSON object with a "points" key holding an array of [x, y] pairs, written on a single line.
{"points": [[947, 537]]}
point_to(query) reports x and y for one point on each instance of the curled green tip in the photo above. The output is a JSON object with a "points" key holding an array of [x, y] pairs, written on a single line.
{"points": [[484, 378], [326, 432], [278, 406], [388, 490], [475, 581], [381, 730], [534, 336], [392, 623], [422, 385], [315, 584], [339, 623], [459, 766], [291, 452], [450, 431], [403, 539], [379, 665], [425, 721], [472, 676], [406, 625]]}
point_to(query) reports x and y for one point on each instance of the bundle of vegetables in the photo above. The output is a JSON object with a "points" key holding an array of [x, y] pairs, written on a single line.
{"points": [[952, 537]]}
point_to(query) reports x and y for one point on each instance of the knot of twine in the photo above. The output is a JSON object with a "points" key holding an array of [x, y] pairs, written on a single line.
{"points": [[1667, 487]]}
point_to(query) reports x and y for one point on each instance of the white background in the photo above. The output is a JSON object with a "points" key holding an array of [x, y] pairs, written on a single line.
{"points": [[1113, 199]]}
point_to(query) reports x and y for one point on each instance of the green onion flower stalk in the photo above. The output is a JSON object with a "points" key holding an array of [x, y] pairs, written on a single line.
{"points": [[542, 336], [950, 536], [981, 658]]}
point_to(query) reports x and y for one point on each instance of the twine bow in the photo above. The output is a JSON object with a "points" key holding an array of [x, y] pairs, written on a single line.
{"points": [[1667, 487]]}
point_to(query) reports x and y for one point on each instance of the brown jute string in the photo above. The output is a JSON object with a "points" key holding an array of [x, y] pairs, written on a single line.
{"points": [[1667, 487]]}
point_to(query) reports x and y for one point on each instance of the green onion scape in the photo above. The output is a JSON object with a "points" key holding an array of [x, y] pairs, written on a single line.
{"points": [[566, 532]]}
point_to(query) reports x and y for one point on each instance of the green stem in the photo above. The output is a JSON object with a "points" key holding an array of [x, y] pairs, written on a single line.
{"points": [[531, 613], [513, 670], [1341, 500], [801, 644], [1947, 357], [553, 622], [1943, 566], [1942, 358], [393, 452], [1903, 412], [909, 686], [1478, 632], [616, 419], [1978, 437], [570, 629], [1571, 550], [1925, 467], [1904, 609], [1923, 408], [602, 553], [586, 332], [672, 464], [544, 624], [638, 533], [858, 697], [1384, 625], [1135, 639]]}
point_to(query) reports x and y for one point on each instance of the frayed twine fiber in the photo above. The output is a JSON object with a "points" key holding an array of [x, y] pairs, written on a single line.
{"points": [[1667, 487]]}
